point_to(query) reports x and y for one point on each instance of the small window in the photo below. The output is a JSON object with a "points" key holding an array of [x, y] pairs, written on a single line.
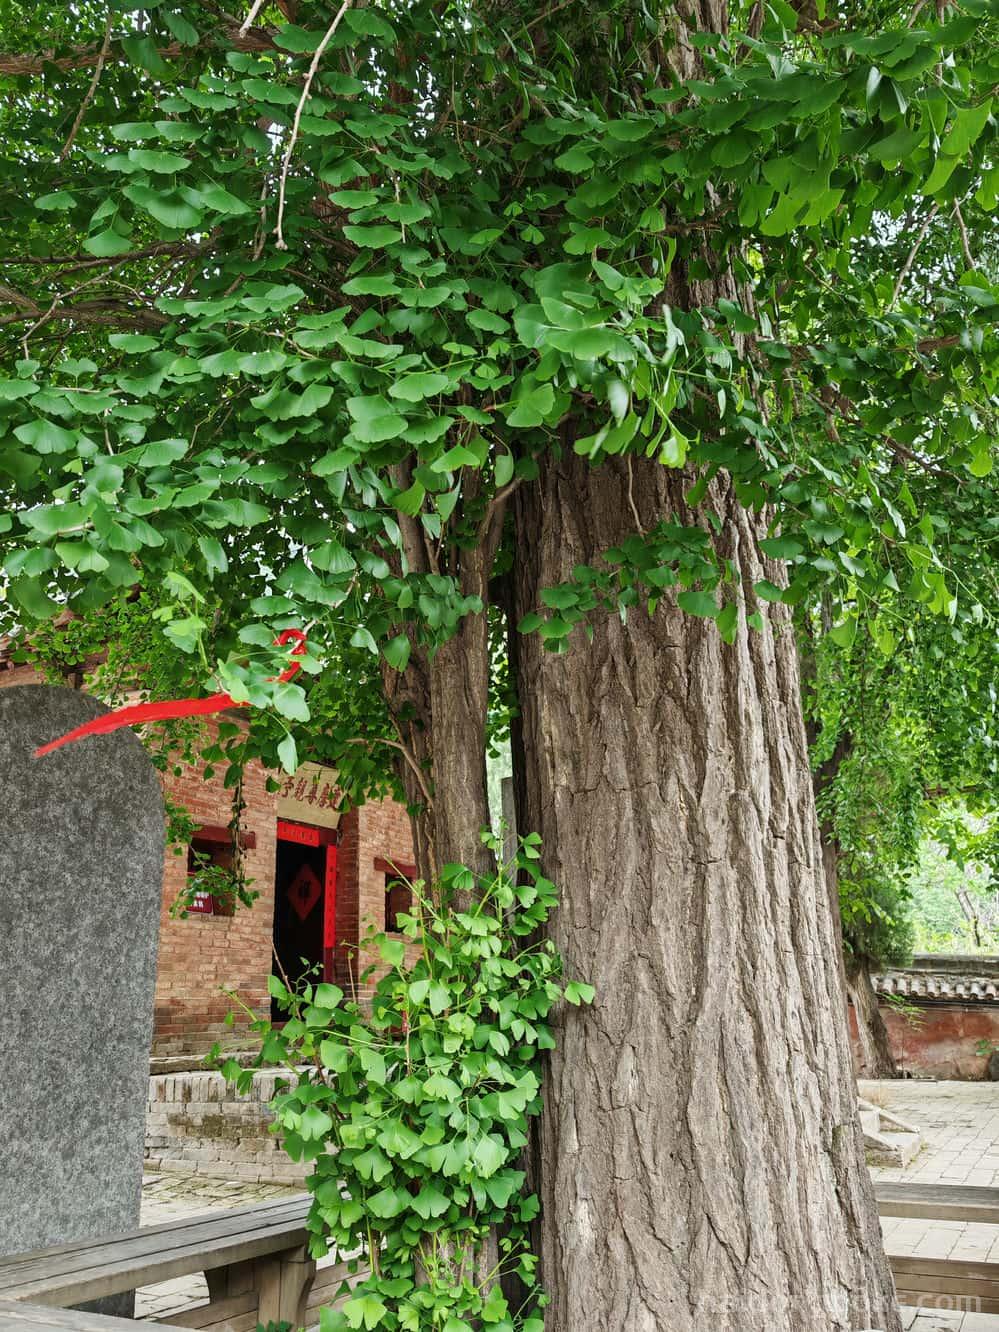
{"points": [[398, 902], [209, 876]]}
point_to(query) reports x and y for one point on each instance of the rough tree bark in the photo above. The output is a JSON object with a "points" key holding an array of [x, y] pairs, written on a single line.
{"points": [[439, 704], [876, 1058], [700, 1157]]}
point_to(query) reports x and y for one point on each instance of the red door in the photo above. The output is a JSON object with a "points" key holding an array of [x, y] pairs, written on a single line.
{"points": [[305, 900]]}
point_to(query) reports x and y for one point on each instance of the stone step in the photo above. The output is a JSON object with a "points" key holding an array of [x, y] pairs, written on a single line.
{"points": [[907, 1145], [888, 1140], [870, 1120], [891, 1149]]}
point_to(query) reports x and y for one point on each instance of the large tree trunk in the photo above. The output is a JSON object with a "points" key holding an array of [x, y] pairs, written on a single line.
{"points": [[701, 1162], [877, 1059], [439, 705]]}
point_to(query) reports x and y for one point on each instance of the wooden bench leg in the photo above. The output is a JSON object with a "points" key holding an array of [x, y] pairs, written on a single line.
{"points": [[235, 1279], [284, 1282]]}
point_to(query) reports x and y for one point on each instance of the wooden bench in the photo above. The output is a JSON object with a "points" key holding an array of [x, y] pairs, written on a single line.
{"points": [[34, 1318], [953, 1283], [946, 1283], [938, 1202], [255, 1260]]}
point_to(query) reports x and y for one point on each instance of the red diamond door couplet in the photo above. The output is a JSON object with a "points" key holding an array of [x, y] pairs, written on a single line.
{"points": [[304, 891]]}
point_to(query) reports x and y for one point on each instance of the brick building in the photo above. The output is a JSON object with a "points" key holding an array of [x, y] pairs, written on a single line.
{"points": [[323, 878]]}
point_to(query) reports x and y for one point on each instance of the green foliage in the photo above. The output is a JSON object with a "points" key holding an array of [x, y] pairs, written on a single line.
{"points": [[968, 830], [288, 317], [899, 739], [120, 653], [908, 1011], [954, 902], [872, 807], [414, 1113], [227, 886], [291, 376]]}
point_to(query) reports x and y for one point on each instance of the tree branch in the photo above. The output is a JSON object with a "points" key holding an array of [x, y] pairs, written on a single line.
{"points": [[831, 396], [404, 751], [907, 266], [89, 97], [247, 23], [916, 10], [410, 527], [83, 57], [491, 526], [11, 297], [927, 345], [900, 451], [965, 245], [631, 498], [112, 313], [296, 126], [80, 260]]}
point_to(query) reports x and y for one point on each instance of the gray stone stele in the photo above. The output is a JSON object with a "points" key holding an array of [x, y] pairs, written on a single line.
{"points": [[81, 870]]}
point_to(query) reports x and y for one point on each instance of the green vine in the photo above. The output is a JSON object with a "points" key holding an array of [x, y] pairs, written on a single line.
{"points": [[226, 883], [227, 887], [414, 1112]]}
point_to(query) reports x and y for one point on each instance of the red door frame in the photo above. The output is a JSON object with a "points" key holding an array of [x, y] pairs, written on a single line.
{"points": [[307, 834], [329, 911]]}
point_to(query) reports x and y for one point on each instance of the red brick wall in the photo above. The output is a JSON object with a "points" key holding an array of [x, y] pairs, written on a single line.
{"points": [[344, 957], [19, 675], [202, 955], [384, 833]]}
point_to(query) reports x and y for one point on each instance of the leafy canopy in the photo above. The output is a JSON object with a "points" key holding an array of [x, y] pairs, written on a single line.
{"points": [[906, 745], [289, 312]]}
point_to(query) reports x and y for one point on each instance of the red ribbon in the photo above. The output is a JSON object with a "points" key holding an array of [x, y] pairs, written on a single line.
{"points": [[137, 713]]}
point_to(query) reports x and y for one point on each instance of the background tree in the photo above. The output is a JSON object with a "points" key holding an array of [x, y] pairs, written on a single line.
{"points": [[902, 718], [376, 320], [903, 734], [946, 893]]}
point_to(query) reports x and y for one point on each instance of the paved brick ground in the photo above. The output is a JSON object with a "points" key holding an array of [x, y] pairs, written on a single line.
{"points": [[960, 1122], [915, 1320]]}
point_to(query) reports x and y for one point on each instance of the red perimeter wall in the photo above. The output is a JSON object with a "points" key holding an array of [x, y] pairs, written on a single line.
{"points": [[939, 1040]]}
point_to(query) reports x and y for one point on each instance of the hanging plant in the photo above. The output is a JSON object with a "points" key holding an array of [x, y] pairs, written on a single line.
{"points": [[219, 874]]}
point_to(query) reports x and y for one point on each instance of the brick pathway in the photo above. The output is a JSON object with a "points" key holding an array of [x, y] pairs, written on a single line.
{"points": [[960, 1122]]}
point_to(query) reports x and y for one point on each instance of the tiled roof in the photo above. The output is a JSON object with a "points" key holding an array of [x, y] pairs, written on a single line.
{"points": [[943, 986]]}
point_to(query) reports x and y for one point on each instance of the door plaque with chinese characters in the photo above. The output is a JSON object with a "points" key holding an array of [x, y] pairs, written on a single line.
{"points": [[311, 795]]}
